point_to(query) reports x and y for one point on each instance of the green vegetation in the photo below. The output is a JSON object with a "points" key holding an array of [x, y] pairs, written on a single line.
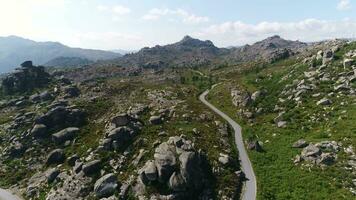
{"points": [[277, 176]]}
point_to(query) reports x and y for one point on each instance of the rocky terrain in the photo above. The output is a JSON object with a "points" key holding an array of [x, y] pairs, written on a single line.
{"points": [[298, 115], [133, 127], [119, 138], [191, 52]]}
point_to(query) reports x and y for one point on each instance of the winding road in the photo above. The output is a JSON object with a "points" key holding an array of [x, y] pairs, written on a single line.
{"points": [[6, 195], [250, 188]]}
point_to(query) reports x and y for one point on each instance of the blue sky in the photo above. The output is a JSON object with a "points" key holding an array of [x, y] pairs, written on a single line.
{"points": [[133, 24]]}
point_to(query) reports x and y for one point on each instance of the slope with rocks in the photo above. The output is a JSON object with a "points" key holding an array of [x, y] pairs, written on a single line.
{"points": [[120, 137], [271, 49], [187, 52], [190, 52], [298, 119]]}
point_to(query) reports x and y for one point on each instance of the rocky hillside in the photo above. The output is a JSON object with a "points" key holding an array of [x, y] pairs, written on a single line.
{"points": [[271, 49], [121, 137], [298, 115], [187, 52], [14, 50], [190, 52], [68, 62]]}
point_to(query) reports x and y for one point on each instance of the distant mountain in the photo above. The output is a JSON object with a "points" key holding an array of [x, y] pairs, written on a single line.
{"points": [[193, 52], [68, 62], [14, 50], [188, 51], [270, 49]]}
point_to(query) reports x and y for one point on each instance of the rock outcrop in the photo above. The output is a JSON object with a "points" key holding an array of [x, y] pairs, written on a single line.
{"points": [[177, 165], [25, 78]]}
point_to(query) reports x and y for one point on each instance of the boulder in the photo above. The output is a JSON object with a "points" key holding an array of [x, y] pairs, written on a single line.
{"points": [[72, 160], [121, 120], [324, 102], [44, 96], [257, 95], [39, 131], [348, 63], [254, 145], [281, 124], [240, 98], [326, 159], [300, 144], [106, 186], [190, 169], [311, 151], [155, 120], [64, 135], [328, 57], [25, 79], [60, 116], [177, 183], [224, 159], [71, 91], [55, 157], [119, 137], [52, 174], [165, 161], [91, 167], [150, 170]]}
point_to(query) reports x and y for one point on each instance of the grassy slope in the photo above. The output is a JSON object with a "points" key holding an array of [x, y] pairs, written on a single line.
{"points": [[277, 176]]}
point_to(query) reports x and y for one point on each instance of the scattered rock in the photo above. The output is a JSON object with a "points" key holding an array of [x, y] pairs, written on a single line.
{"points": [[55, 157], [300, 144], [106, 186], [64, 135], [91, 167], [348, 63], [52, 174], [39, 131], [324, 102], [155, 120]]}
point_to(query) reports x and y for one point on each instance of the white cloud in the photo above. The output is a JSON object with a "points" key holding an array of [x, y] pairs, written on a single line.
{"points": [[186, 17], [344, 5], [117, 9], [121, 10], [239, 33], [102, 8]]}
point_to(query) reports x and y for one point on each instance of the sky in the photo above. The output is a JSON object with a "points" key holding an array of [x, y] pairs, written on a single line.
{"points": [[133, 24]]}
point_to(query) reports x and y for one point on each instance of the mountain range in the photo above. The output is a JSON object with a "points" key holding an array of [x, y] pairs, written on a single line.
{"points": [[14, 50], [186, 52], [194, 52]]}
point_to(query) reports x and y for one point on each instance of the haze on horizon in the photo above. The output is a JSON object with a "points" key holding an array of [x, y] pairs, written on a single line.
{"points": [[133, 24]]}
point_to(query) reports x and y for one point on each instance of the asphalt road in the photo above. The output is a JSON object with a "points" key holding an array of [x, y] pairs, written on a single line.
{"points": [[250, 187], [6, 195]]}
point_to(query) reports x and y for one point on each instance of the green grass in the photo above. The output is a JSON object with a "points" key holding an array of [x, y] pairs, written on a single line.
{"points": [[277, 176]]}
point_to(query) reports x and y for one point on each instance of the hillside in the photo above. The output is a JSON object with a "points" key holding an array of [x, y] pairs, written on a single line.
{"points": [[14, 50], [271, 49], [301, 114], [68, 62], [187, 52]]}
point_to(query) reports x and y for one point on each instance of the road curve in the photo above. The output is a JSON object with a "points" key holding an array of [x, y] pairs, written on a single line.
{"points": [[250, 188], [6, 195]]}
